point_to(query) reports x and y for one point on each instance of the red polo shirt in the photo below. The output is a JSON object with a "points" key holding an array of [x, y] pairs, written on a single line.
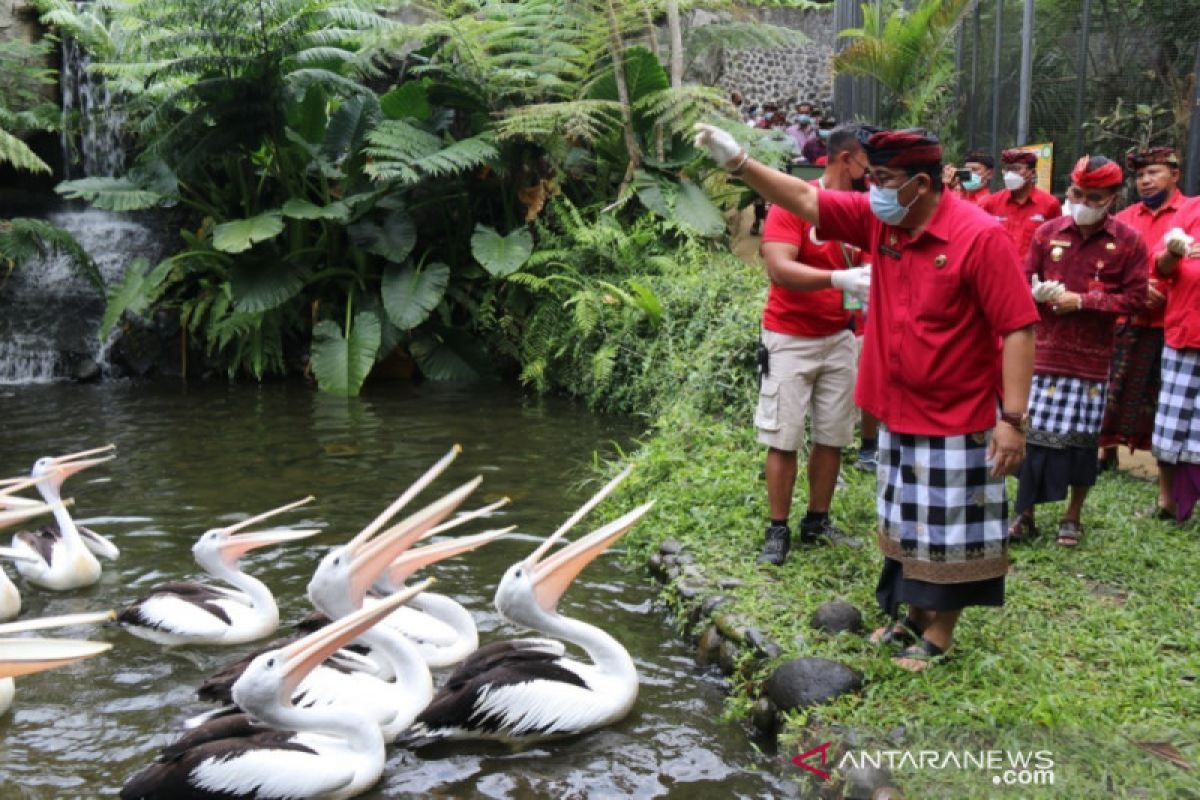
{"points": [[795, 312], [1108, 270], [974, 198], [1181, 326], [1022, 219], [1152, 224], [931, 363]]}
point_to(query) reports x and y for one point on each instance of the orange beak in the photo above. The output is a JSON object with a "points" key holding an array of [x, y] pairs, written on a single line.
{"points": [[467, 517], [63, 621], [404, 499], [578, 515], [552, 576], [238, 545], [302, 657], [26, 656], [22, 513], [412, 561], [72, 463]]}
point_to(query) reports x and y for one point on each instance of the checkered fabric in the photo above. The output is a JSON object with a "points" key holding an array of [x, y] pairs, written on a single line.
{"points": [[941, 513], [1066, 411], [1177, 423]]}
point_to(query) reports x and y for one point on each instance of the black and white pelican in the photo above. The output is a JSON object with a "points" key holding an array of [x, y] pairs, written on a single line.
{"points": [[276, 749], [25, 656], [527, 690], [187, 612], [64, 557], [12, 511]]}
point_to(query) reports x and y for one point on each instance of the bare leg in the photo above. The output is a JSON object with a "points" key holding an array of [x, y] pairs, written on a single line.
{"points": [[823, 465], [1075, 504], [781, 482], [869, 427], [1166, 486], [939, 631]]}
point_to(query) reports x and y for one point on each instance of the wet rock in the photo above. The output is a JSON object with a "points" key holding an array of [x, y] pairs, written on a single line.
{"points": [[804, 682], [759, 642], [764, 717], [838, 616], [687, 591], [709, 646], [670, 547], [656, 567], [86, 371], [711, 603], [693, 572], [863, 782], [727, 656], [672, 573], [684, 558], [731, 626], [729, 583], [897, 735]]}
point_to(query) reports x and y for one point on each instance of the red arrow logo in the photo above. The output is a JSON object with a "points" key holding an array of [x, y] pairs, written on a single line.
{"points": [[823, 750]]}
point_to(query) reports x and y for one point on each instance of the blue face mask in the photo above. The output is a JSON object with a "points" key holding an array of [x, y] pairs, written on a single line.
{"points": [[885, 203], [804, 119], [973, 185], [1157, 199]]}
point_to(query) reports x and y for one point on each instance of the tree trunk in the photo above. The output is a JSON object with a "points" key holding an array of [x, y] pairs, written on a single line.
{"points": [[676, 32], [616, 50]]}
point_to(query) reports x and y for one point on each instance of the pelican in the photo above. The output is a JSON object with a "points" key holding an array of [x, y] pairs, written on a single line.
{"points": [[277, 750], [199, 613], [25, 656], [527, 690], [63, 557], [17, 509]]}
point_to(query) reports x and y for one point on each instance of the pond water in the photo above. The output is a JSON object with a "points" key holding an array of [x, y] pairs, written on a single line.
{"points": [[190, 458]]}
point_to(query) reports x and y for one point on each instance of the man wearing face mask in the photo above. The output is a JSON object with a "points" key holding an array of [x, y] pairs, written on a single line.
{"points": [[1021, 207], [975, 189], [818, 146], [945, 286], [1137, 359], [810, 357], [1085, 269], [802, 131]]}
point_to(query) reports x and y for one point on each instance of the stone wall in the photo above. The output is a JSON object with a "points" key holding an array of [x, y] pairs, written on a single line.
{"points": [[17, 21]]}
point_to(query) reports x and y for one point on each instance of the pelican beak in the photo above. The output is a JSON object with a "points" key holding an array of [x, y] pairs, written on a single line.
{"points": [[237, 546], [412, 561], [404, 499], [26, 656], [22, 513], [72, 463], [10, 554], [554, 574], [63, 621], [300, 658], [466, 517], [371, 558], [10, 486], [274, 512]]}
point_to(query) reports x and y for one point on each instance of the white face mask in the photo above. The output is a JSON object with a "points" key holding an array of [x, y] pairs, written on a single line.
{"points": [[1087, 215], [1013, 181]]}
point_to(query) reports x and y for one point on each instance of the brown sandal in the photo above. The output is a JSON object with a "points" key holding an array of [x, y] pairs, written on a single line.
{"points": [[1069, 533]]}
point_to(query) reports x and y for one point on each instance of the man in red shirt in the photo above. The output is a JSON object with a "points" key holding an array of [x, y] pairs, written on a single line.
{"points": [[1137, 359], [1094, 269], [810, 354], [1177, 423], [976, 189], [945, 286], [1021, 207]]}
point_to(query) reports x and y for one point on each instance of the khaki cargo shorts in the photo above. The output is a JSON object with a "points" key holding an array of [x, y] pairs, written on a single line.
{"points": [[803, 372]]}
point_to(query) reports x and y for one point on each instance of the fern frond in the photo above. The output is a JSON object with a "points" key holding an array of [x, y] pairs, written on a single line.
{"points": [[23, 239], [678, 108], [586, 120], [16, 152]]}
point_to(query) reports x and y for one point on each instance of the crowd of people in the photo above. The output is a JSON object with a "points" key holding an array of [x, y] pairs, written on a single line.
{"points": [[988, 333]]}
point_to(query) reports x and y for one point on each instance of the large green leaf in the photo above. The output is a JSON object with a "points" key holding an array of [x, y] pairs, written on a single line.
{"points": [[407, 100], [111, 194], [411, 293], [450, 356], [310, 116], [136, 291], [298, 208], [341, 363], [393, 239], [652, 192], [238, 235], [257, 286], [644, 75], [693, 209], [501, 255]]}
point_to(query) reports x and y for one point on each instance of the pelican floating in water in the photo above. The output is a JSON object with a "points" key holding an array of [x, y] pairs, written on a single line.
{"points": [[25, 656], [188, 612], [527, 689], [12, 511], [64, 557], [326, 752]]}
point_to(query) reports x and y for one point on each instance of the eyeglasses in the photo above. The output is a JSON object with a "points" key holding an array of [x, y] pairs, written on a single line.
{"points": [[1076, 194]]}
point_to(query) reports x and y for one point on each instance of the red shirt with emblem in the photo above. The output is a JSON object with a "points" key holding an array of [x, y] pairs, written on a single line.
{"points": [[974, 198], [1108, 269], [1022, 219], [1181, 327], [931, 362], [799, 313], [1152, 225]]}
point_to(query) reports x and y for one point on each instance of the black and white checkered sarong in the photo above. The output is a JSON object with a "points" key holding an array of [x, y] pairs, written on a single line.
{"points": [[1177, 422], [1066, 411], [940, 507]]}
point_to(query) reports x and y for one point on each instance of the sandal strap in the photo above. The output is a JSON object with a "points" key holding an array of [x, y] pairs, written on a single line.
{"points": [[923, 650]]}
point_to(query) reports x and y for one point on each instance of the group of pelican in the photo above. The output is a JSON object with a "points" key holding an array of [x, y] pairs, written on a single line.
{"points": [[310, 715]]}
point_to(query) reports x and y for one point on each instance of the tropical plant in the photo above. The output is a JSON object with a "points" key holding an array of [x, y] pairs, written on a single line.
{"points": [[24, 109]]}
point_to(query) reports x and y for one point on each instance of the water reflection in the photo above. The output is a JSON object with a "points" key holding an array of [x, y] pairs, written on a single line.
{"points": [[191, 458]]}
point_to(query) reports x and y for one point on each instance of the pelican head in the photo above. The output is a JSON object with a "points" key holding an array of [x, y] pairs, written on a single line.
{"points": [[226, 545], [531, 588], [272, 678], [51, 471]]}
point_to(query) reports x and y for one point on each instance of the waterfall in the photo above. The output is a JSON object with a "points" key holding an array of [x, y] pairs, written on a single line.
{"points": [[50, 314], [100, 147]]}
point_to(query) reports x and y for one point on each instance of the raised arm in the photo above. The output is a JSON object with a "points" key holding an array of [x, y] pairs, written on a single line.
{"points": [[796, 195]]}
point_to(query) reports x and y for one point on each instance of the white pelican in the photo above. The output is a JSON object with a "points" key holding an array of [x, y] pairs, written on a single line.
{"points": [[15, 510], [326, 752], [528, 689], [63, 556], [188, 612], [24, 656]]}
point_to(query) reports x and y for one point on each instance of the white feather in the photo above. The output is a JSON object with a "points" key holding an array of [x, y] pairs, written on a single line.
{"points": [[273, 773]]}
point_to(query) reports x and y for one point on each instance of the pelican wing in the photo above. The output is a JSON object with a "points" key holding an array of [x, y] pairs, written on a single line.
{"points": [[99, 545], [41, 542], [181, 608]]}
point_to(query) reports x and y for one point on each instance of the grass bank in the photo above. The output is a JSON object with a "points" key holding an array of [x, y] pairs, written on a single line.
{"points": [[1095, 658]]}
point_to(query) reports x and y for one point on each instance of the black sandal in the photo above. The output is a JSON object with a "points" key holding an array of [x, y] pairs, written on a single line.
{"points": [[923, 651], [901, 633], [1022, 529]]}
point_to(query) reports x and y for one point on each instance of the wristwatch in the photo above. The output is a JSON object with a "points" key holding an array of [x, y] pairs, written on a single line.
{"points": [[1016, 419]]}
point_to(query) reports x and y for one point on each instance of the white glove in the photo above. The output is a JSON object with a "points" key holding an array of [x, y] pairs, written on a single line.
{"points": [[720, 145], [1177, 242], [856, 281], [1045, 290]]}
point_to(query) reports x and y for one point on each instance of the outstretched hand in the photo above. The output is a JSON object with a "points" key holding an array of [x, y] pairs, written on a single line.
{"points": [[722, 147]]}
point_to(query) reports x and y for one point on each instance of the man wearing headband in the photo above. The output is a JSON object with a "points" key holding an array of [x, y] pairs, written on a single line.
{"points": [[975, 189], [1085, 269], [1137, 359], [1021, 207], [1177, 424], [945, 286], [809, 354]]}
